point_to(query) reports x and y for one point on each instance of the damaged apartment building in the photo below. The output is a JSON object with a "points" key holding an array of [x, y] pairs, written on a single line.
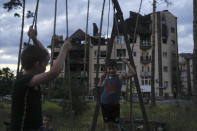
{"points": [[186, 73], [166, 53], [77, 57]]}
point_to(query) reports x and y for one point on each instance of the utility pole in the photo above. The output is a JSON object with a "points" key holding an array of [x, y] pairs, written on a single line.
{"points": [[195, 51], [21, 39], [153, 57]]}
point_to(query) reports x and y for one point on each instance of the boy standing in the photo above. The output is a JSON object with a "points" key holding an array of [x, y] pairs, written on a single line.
{"points": [[26, 98], [112, 82]]}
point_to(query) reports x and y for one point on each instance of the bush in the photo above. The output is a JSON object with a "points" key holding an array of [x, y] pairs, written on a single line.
{"points": [[4, 115], [78, 105], [51, 108]]}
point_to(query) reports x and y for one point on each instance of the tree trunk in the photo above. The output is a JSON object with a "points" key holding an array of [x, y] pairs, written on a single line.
{"points": [[153, 57], [195, 51]]}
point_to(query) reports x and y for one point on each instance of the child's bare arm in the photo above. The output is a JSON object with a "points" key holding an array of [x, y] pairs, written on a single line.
{"points": [[55, 69], [131, 71], [32, 33], [102, 80]]}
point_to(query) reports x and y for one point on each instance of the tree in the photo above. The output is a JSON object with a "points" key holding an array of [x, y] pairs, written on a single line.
{"points": [[58, 90], [6, 80], [14, 5], [195, 50], [77, 86]]}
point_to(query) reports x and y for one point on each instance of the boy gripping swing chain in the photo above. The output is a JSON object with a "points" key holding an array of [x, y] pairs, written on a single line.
{"points": [[26, 98], [112, 82]]}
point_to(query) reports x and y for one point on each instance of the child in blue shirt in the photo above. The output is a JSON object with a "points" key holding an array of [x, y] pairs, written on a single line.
{"points": [[112, 83]]}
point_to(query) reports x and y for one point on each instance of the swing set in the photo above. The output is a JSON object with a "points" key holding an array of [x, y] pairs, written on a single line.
{"points": [[117, 22]]}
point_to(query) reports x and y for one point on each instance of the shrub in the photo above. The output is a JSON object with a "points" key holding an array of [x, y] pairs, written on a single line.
{"points": [[78, 105], [51, 108]]}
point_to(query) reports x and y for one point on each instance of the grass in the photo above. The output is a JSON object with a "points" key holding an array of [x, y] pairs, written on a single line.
{"points": [[4, 114], [182, 118]]}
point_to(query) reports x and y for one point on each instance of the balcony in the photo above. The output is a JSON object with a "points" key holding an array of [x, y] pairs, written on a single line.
{"points": [[145, 88], [145, 59], [162, 87], [145, 74], [145, 46]]}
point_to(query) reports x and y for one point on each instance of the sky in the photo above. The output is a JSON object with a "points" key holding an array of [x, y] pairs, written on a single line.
{"points": [[10, 26]]}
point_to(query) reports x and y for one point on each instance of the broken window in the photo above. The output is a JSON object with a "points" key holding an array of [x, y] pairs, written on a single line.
{"points": [[165, 84], [102, 68], [164, 33], [134, 53], [55, 54], [120, 40], [165, 69], [142, 82], [172, 29], [102, 54], [173, 42], [145, 40], [121, 52], [164, 54], [121, 67]]}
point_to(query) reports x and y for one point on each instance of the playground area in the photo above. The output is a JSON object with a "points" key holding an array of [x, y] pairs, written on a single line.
{"points": [[173, 117], [134, 65]]}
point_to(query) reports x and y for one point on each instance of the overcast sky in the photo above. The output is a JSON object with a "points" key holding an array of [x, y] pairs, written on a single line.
{"points": [[10, 26]]}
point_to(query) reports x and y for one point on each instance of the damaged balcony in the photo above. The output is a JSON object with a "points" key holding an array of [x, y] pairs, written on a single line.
{"points": [[145, 45], [145, 74], [145, 59]]}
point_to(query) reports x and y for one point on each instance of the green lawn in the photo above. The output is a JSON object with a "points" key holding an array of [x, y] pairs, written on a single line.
{"points": [[182, 118]]}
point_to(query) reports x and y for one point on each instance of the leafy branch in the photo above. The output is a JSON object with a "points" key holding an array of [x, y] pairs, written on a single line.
{"points": [[14, 5]]}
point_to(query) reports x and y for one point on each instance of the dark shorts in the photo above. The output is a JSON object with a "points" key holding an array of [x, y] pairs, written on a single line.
{"points": [[111, 112]]}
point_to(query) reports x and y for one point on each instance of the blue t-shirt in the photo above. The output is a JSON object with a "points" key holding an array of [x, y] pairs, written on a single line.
{"points": [[112, 89]]}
